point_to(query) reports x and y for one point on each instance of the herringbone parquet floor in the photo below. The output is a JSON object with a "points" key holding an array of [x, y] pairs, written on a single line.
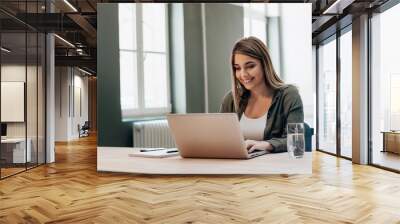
{"points": [[71, 191]]}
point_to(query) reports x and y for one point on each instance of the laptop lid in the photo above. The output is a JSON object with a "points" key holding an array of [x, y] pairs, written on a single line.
{"points": [[212, 135]]}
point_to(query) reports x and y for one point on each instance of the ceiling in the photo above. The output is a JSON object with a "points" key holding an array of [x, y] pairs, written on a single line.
{"points": [[76, 22]]}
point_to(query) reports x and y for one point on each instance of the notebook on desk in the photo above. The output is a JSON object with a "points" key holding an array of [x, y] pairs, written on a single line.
{"points": [[154, 152]]}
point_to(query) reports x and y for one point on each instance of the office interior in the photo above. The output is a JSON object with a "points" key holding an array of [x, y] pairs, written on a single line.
{"points": [[48, 84], [54, 80]]}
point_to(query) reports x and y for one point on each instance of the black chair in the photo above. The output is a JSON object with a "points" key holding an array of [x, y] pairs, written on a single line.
{"points": [[84, 130], [308, 133]]}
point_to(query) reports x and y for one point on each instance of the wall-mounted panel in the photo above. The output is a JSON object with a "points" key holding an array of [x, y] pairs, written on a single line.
{"points": [[12, 101]]}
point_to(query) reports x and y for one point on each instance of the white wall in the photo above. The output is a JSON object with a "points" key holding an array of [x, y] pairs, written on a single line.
{"points": [[79, 117], [297, 54], [14, 73], [61, 103], [34, 124], [71, 87], [10, 73]]}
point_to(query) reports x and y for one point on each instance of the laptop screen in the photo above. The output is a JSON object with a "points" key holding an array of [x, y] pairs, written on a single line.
{"points": [[3, 129]]}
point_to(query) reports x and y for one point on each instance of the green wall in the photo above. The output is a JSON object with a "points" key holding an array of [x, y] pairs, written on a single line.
{"points": [[224, 26], [111, 130], [194, 66]]}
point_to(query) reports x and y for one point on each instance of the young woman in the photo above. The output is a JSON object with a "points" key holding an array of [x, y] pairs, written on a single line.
{"points": [[263, 102]]}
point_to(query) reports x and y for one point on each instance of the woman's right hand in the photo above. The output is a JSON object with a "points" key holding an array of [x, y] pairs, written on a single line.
{"points": [[252, 145], [249, 144]]}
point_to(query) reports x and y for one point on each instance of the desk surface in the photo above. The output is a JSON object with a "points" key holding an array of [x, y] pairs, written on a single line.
{"points": [[390, 132], [116, 159], [13, 140]]}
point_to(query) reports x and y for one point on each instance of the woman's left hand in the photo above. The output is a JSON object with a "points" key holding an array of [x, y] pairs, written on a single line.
{"points": [[252, 145]]}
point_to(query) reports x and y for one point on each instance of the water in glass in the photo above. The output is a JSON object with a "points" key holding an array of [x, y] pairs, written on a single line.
{"points": [[295, 140]]}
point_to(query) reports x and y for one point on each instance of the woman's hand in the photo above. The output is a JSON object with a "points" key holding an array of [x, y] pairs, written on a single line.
{"points": [[252, 145]]}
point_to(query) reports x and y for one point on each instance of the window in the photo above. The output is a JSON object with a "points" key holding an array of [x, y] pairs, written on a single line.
{"points": [[334, 137], [394, 101], [385, 88], [346, 94], [255, 22], [327, 97], [144, 68]]}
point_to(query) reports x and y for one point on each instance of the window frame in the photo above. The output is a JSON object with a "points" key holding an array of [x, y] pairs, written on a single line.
{"points": [[370, 34], [142, 112], [334, 37]]}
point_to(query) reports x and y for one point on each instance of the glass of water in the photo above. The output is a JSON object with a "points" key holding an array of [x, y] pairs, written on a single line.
{"points": [[295, 139]]}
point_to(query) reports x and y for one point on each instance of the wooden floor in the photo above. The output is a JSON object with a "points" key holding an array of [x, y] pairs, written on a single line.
{"points": [[71, 191], [5, 172], [387, 159], [8, 171]]}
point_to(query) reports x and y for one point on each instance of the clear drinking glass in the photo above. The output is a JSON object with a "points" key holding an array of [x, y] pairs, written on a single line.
{"points": [[295, 140]]}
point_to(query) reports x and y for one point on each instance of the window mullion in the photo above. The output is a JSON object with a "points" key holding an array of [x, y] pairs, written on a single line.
{"points": [[167, 51], [250, 21], [140, 56]]}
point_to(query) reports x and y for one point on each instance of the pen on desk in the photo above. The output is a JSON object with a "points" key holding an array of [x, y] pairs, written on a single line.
{"points": [[151, 150], [172, 151]]}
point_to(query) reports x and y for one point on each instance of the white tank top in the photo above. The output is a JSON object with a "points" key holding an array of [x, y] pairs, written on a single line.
{"points": [[253, 128]]}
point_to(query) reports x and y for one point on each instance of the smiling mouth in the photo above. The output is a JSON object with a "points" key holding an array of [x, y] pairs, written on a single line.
{"points": [[247, 81]]}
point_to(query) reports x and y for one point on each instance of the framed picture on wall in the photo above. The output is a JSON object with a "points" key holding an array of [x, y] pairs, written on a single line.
{"points": [[12, 101]]}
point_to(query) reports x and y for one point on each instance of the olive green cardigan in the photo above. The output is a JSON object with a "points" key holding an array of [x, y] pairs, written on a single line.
{"points": [[286, 107]]}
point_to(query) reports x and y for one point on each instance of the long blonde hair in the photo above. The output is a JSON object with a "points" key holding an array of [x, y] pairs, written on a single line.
{"points": [[255, 48]]}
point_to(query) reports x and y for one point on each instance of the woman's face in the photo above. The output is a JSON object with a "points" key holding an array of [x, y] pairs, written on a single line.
{"points": [[248, 71]]}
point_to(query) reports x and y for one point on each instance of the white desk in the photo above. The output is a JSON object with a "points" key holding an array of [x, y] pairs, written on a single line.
{"points": [[18, 151], [116, 159]]}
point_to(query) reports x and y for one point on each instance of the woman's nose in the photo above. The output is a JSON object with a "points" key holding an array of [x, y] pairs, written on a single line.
{"points": [[244, 74]]}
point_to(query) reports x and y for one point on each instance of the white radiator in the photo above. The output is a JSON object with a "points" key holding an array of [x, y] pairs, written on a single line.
{"points": [[152, 134]]}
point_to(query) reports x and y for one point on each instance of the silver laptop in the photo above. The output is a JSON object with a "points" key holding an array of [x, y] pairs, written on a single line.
{"points": [[213, 135]]}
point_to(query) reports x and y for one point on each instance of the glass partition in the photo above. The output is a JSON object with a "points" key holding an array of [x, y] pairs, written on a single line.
{"points": [[13, 109], [31, 99], [22, 77], [385, 89], [327, 96], [41, 107]]}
